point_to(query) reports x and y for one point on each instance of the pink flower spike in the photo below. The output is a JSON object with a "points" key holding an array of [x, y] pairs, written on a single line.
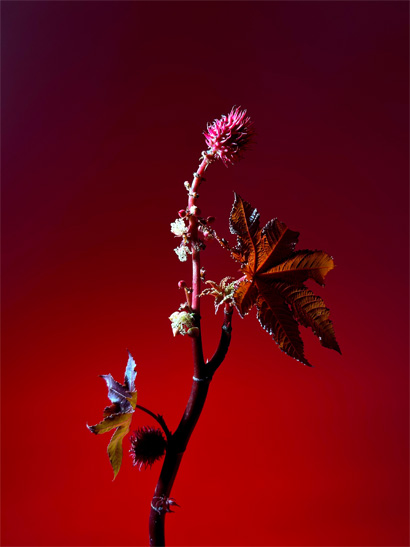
{"points": [[229, 136]]}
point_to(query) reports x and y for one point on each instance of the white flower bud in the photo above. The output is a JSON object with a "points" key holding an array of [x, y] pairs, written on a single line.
{"points": [[182, 252], [181, 322], [179, 228]]}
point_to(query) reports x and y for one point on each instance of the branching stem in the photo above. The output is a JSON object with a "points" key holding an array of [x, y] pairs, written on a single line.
{"points": [[202, 377], [158, 418]]}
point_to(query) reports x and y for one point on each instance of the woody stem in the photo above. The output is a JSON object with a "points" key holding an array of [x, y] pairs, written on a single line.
{"points": [[200, 384]]}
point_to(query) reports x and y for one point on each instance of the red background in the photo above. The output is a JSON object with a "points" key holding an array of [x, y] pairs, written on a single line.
{"points": [[104, 105]]}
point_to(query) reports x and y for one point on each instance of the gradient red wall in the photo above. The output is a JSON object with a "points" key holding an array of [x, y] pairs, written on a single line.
{"points": [[103, 108]]}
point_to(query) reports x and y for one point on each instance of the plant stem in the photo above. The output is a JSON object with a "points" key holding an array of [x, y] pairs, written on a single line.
{"points": [[224, 341], [158, 418], [203, 373], [173, 457]]}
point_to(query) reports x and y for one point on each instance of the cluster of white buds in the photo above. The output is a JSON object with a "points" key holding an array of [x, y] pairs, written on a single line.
{"points": [[182, 252], [182, 322], [178, 227]]}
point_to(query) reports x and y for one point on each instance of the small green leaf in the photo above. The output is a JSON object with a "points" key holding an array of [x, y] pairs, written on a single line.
{"points": [[133, 399], [115, 420], [114, 448]]}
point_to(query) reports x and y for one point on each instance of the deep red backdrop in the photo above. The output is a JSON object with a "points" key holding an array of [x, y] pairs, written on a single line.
{"points": [[103, 109]]}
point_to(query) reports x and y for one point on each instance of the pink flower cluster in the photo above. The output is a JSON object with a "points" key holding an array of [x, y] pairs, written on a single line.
{"points": [[229, 136]]}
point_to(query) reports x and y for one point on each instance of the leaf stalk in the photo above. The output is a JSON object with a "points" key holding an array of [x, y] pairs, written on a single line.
{"points": [[158, 418]]}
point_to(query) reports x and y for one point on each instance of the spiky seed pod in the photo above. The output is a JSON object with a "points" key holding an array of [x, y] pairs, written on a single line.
{"points": [[229, 136], [147, 446]]}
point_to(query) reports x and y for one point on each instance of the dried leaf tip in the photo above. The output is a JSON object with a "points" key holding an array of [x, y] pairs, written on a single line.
{"points": [[229, 136]]}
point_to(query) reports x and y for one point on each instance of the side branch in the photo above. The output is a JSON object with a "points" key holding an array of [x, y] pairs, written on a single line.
{"points": [[179, 440], [224, 342], [158, 418]]}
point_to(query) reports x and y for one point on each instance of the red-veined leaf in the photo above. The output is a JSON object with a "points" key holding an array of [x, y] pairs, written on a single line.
{"points": [[245, 296], [300, 266], [277, 319], [310, 310], [275, 245], [273, 273], [244, 223]]}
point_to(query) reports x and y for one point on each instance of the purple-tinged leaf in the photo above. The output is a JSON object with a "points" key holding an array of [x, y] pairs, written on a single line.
{"points": [[117, 393], [130, 374], [115, 408], [119, 414]]}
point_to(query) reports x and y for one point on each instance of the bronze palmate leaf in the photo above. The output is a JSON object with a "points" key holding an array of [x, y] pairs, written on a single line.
{"points": [[273, 280]]}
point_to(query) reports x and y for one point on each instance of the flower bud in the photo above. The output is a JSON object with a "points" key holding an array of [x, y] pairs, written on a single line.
{"points": [[182, 213], [182, 251], [181, 321], [178, 227], [210, 220], [193, 332], [181, 284]]}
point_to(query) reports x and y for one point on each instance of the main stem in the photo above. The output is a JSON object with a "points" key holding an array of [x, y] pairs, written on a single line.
{"points": [[178, 441]]}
